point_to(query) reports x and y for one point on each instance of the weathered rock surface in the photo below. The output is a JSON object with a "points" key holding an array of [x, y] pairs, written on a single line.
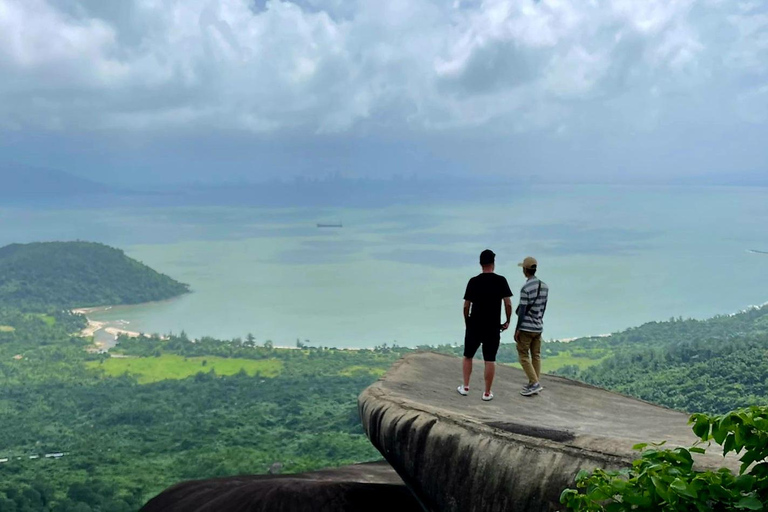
{"points": [[510, 454], [361, 487]]}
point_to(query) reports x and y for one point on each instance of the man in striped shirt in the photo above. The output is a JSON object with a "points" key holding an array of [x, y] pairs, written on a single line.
{"points": [[530, 316]]}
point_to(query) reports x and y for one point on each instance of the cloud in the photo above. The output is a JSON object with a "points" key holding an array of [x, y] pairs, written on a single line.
{"points": [[360, 67]]}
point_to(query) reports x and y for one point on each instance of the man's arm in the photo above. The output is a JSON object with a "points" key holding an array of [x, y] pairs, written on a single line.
{"points": [[522, 310], [466, 311], [508, 311]]}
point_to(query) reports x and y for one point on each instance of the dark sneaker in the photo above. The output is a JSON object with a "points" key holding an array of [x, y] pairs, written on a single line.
{"points": [[533, 389]]}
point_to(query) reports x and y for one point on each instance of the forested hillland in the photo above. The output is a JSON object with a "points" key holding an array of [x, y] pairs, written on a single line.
{"points": [[52, 275], [713, 365], [93, 432]]}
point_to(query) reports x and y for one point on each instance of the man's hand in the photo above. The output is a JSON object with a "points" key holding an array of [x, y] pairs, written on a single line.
{"points": [[505, 326], [517, 336]]}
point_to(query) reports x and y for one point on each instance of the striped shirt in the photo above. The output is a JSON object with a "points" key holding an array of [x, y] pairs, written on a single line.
{"points": [[531, 307]]}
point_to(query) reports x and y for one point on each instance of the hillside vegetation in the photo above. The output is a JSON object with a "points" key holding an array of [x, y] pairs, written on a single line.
{"points": [[710, 365], [172, 410], [117, 430], [133, 425], [45, 276]]}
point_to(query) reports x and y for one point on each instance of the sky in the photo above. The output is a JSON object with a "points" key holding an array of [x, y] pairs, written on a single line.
{"points": [[166, 91]]}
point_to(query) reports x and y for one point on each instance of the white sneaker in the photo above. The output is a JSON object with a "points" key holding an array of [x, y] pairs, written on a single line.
{"points": [[463, 391], [488, 396]]}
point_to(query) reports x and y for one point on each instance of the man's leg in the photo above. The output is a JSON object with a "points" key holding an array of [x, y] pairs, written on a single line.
{"points": [[523, 349], [471, 344], [536, 354], [490, 372], [467, 367], [490, 349]]}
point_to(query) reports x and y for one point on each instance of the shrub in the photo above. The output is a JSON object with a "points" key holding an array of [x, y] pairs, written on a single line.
{"points": [[664, 479]]}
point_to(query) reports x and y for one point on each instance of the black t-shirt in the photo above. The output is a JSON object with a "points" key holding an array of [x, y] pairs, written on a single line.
{"points": [[485, 291]]}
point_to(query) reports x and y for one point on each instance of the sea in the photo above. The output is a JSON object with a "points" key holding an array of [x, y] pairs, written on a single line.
{"points": [[395, 272]]}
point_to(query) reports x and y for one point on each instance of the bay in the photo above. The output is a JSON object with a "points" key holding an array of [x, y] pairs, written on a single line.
{"points": [[614, 257]]}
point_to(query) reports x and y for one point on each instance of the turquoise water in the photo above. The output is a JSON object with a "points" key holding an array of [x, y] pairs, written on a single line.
{"points": [[614, 257]]}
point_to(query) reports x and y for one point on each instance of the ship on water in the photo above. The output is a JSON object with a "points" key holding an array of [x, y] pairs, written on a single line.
{"points": [[329, 225]]}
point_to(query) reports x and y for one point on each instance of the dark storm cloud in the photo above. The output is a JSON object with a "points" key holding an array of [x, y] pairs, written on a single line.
{"points": [[172, 91]]}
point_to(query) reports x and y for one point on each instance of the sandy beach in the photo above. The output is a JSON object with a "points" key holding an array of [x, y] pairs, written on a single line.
{"points": [[94, 327]]}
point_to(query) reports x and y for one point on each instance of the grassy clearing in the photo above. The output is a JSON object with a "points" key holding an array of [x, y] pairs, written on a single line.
{"points": [[7, 328], [48, 319], [351, 371], [170, 366], [552, 363]]}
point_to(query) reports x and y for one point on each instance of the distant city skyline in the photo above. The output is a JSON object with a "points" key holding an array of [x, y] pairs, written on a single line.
{"points": [[163, 92]]}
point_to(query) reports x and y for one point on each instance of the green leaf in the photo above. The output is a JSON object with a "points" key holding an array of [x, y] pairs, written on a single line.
{"points": [[566, 495], [738, 442], [701, 426], [747, 459], [760, 470], [683, 489], [683, 455], [750, 503], [719, 492], [661, 489], [725, 422], [718, 434], [696, 449], [640, 501], [639, 446], [619, 485], [745, 483]]}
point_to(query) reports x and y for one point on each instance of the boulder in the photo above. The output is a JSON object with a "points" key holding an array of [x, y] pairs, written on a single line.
{"points": [[513, 453], [370, 487]]}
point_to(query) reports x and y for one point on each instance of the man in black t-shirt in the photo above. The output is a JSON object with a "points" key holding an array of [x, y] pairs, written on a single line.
{"points": [[482, 317]]}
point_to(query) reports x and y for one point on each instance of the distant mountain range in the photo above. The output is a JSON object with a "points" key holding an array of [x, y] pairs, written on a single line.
{"points": [[42, 187], [20, 183]]}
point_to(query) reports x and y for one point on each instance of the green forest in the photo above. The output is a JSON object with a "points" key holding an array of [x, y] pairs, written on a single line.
{"points": [[41, 276], [84, 431], [710, 366], [124, 441]]}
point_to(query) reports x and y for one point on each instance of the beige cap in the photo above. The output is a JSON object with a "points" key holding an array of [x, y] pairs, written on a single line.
{"points": [[529, 262]]}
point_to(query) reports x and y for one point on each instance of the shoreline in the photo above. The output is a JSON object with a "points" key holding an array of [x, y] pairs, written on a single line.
{"points": [[95, 326]]}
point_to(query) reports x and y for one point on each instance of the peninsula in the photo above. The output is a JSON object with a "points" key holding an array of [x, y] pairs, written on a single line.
{"points": [[70, 275]]}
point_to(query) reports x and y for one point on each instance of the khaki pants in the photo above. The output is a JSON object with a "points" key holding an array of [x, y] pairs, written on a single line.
{"points": [[529, 347]]}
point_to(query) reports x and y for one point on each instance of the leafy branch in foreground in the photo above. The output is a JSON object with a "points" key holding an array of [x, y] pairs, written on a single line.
{"points": [[665, 479]]}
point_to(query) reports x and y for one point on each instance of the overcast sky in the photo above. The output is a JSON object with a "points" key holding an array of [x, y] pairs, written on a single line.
{"points": [[168, 90]]}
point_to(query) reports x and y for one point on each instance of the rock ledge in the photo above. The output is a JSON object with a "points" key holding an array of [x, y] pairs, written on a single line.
{"points": [[511, 454]]}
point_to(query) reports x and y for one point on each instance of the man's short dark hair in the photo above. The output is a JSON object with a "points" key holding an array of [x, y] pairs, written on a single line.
{"points": [[531, 271], [487, 257]]}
